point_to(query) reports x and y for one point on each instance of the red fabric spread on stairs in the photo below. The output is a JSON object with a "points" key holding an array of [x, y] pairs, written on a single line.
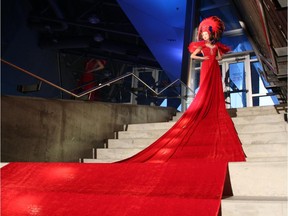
{"points": [[182, 173], [112, 189]]}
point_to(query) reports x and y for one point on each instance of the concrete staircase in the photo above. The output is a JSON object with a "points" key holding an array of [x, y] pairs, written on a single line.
{"points": [[259, 186]]}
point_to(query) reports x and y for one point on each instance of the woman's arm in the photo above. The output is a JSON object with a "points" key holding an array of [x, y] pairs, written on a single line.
{"points": [[194, 55], [100, 65], [219, 56], [97, 66]]}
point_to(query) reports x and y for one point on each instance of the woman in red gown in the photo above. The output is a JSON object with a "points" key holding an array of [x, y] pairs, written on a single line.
{"points": [[88, 78], [205, 130]]}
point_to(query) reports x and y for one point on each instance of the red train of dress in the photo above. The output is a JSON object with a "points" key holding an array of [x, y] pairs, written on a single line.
{"points": [[182, 173], [205, 131]]}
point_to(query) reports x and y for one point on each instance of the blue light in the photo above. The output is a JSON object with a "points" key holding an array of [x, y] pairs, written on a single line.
{"points": [[161, 25]]}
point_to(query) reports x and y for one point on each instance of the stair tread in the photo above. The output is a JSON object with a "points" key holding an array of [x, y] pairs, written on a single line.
{"points": [[254, 144], [115, 149], [160, 130], [171, 123], [254, 198], [102, 160]]}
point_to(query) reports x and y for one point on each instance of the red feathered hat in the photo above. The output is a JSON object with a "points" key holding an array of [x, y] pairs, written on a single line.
{"points": [[213, 25]]}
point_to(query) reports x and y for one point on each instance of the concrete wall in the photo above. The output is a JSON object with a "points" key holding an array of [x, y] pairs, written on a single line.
{"points": [[35, 129]]}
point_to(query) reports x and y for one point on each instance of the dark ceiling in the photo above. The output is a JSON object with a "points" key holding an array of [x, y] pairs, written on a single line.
{"points": [[96, 28], [153, 33]]}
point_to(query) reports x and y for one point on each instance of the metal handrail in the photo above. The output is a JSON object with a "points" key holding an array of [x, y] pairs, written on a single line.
{"points": [[108, 83], [263, 59], [39, 78]]}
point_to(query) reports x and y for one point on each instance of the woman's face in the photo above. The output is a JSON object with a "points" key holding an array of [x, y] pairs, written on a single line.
{"points": [[205, 36]]}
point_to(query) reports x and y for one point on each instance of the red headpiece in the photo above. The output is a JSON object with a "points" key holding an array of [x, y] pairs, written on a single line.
{"points": [[213, 25]]}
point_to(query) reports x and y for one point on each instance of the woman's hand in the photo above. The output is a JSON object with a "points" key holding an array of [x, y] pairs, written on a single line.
{"points": [[219, 56]]}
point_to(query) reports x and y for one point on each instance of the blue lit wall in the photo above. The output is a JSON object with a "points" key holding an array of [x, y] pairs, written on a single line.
{"points": [[161, 24]]}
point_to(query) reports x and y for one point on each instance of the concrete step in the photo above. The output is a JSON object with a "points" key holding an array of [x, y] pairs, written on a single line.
{"points": [[263, 138], [141, 134], [265, 150], [246, 138], [259, 109], [258, 119], [254, 206], [267, 159], [243, 128], [261, 128], [248, 111], [150, 126], [258, 178], [275, 118], [119, 154], [130, 143], [107, 160], [2, 164], [268, 151]]}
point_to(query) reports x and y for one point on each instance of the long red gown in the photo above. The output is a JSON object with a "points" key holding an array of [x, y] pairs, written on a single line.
{"points": [[205, 131], [182, 173]]}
